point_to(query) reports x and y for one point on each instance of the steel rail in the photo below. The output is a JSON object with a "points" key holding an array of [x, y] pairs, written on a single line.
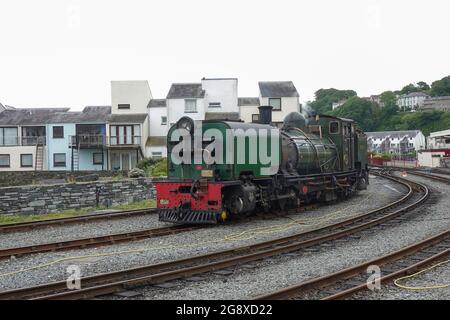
{"points": [[21, 226], [94, 241], [353, 279], [108, 283]]}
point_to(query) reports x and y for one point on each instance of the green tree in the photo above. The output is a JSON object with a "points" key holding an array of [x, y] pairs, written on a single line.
{"points": [[423, 86], [324, 98], [388, 99], [441, 87], [364, 112], [408, 89]]}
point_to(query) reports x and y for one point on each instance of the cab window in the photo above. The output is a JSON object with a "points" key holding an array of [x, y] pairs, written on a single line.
{"points": [[334, 127]]}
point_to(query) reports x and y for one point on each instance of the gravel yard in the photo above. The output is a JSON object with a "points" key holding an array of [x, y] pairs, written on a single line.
{"points": [[78, 230], [287, 270], [46, 267]]}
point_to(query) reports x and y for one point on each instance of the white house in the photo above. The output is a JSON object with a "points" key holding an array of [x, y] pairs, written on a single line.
{"points": [[185, 99], [156, 146], [248, 108], [128, 126], [439, 140], [412, 101], [221, 98], [337, 104], [396, 142], [282, 96]]}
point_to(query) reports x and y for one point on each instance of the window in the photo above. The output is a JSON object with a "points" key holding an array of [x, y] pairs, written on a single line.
{"points": [[8, 137], [156, 154], [214, 105], [4, 161], [190, 105], [123, 106], [255, 117], [59, 159], [127, 134], [26, 160], [97, 158], [275, 103], [163, 120], [58, 132], [334, 127]]}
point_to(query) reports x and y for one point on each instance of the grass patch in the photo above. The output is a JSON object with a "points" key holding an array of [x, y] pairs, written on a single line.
{"points": [[14, 218]]}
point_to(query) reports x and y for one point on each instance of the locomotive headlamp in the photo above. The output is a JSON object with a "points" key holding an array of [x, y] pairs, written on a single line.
{"points": [[186, 123]]}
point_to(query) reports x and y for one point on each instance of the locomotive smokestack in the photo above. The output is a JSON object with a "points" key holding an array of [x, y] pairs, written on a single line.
{"points": [[265, 114]]}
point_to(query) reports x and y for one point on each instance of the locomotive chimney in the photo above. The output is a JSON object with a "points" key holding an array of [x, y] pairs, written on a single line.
{"points": [[265, 114]]}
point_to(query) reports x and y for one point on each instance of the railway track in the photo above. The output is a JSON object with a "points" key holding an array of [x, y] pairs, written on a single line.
{"points": [[429, 176], [109, 283], [419, 173], [346, 282], [94, 241], [24, 226]]}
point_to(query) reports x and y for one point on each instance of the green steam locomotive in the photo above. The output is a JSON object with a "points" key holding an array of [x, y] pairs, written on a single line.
{"points": [[218, 169]]}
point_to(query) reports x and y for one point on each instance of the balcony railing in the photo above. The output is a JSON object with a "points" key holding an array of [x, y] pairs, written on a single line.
{"points": [[22, 141], [87, 141], [98, 141], [32, 141]]}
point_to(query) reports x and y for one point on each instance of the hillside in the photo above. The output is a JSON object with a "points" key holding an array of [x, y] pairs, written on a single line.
{"points": [[371, 117]]}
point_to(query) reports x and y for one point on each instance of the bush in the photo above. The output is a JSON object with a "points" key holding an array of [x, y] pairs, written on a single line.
{"points": [[153, 167]]}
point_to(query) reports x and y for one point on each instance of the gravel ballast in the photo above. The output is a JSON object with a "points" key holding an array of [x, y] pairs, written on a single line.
{"points": [[425, 221], [172, 247]]}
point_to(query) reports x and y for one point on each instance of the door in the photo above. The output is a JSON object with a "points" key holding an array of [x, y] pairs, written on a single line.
{"points": [[125, 161]]}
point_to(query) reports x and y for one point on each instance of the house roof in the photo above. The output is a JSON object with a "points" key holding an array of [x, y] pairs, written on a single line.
{"points": [[186, 90], [248, 101], [90, 114], [392, 134], [29, 116], [157, 103], [222, 116], [277, 89], [127, 118], [415, 94]]}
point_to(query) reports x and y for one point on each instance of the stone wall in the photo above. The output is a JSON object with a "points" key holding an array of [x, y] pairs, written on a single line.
{"points": [[21, 178], [54, 198]]}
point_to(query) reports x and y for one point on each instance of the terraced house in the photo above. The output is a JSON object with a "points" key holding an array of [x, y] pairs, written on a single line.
{"points": [[24, 140], [281, 95]]}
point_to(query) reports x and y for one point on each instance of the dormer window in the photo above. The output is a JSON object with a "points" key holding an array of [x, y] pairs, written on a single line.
{"points": [[124, 106]]}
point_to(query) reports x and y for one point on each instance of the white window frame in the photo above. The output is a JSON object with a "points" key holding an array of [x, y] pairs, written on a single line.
{"points": [[190, 110]]}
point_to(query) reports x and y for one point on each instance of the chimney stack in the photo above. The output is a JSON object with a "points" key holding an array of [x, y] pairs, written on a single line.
{"points": [[265, 114]]}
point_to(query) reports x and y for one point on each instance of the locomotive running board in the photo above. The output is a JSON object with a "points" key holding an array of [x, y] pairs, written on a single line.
{"points": [[186, 216]]}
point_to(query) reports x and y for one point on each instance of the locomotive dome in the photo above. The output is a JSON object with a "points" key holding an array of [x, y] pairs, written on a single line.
{"points": [[294, 119]]}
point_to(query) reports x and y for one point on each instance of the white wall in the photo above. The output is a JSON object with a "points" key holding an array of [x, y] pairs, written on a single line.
{"points": [[149, 151], [14, 157], [430, 159], [419, 142], [288, 105], [224, 91], [246, 112], [156, 128], [175, 110], [136, 93]]}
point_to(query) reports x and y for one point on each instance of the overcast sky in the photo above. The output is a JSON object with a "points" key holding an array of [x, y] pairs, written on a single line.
{"points": [[65, 52]]}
